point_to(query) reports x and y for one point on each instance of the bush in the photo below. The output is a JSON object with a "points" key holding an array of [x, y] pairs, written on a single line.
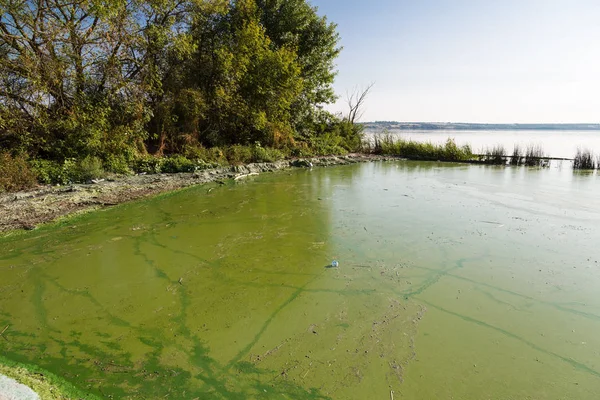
{"points": [[148, 165], [69, 171], [49, 172], [351, 135], [237, 154], [15, 173], [177, 163], [327, 144], [55, 173], [118, 164], [266, 154], [87, 169]]}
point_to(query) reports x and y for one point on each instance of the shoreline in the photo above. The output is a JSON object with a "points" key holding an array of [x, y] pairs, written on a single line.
{"points": [[30, 382], [26, 210], [14, 389]]}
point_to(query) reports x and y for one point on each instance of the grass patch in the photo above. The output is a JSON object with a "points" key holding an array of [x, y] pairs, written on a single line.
{"points": [[584, 159], [414, 150]]}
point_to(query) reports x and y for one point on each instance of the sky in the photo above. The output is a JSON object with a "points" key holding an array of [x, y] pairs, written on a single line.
{"points": [[496, 61]]}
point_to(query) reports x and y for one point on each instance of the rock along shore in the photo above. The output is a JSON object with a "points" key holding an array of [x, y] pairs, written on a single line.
{"points": [[28, 209]]}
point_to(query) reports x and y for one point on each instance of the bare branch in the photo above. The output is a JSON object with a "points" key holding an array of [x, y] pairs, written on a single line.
{"points": [[355, 101]]}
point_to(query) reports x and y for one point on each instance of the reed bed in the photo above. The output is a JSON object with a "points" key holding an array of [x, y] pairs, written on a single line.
{"points": [[517, 157], [584, 159], [414, 150], [534, 156], [495, 155]]}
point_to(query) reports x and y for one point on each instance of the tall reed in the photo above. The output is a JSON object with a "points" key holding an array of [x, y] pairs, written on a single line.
{"points": [[495, 155], [584, 159], [534, 156], [517, 156], [414, 150]]}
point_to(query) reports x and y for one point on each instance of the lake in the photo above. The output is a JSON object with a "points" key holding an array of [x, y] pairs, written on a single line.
{"points": [[454, 281], [556, 143]]}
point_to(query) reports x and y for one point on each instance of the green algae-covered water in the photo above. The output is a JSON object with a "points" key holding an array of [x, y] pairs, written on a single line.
{"points": [[454, 282]]}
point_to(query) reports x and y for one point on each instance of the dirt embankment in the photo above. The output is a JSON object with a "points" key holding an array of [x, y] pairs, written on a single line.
{"points": [[28, 209]]}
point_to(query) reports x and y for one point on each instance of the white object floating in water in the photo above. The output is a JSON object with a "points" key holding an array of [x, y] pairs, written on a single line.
{"points": [[334, 263]]}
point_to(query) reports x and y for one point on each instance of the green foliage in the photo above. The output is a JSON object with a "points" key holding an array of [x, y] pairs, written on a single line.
{"points": [[296, 24], [177, 163], [332, 135], [49, 172], [89, 168], [68, 171], [148, 165], [266, 154], [15, 173], [117, 163], [106, 83], [448, 151], [326, 144], [238, 154]]}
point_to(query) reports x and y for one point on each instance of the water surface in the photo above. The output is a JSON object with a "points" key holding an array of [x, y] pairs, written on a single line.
{"points": [[455, 281]]}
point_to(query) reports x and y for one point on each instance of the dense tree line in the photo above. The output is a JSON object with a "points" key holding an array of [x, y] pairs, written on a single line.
{"points": [[115, 79]]}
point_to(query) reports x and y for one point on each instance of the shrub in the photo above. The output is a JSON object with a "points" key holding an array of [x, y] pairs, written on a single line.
{"points": [[326, 144], [15, 173], [238, 154], [266, 154], [177, 163], [87, 169], [118, 164], [148, 164], [49, 172], [69, 171]]}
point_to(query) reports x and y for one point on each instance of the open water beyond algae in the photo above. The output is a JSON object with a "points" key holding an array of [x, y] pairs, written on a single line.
{"points": [[454, 281]]}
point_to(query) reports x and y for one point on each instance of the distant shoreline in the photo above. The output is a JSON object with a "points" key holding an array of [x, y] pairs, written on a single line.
{"points": [[460, 126]]}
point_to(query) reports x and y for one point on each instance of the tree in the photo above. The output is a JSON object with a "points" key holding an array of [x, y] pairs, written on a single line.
{"points": [[244, 85], [296, 24], [355, 101], [79, 71], [119, 77]]}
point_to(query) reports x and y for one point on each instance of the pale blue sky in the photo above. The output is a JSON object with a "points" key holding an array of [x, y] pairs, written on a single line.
{"points": [[471, 61]]}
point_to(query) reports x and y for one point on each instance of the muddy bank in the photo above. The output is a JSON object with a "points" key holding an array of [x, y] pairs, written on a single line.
{"points": [[28, 209]]}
